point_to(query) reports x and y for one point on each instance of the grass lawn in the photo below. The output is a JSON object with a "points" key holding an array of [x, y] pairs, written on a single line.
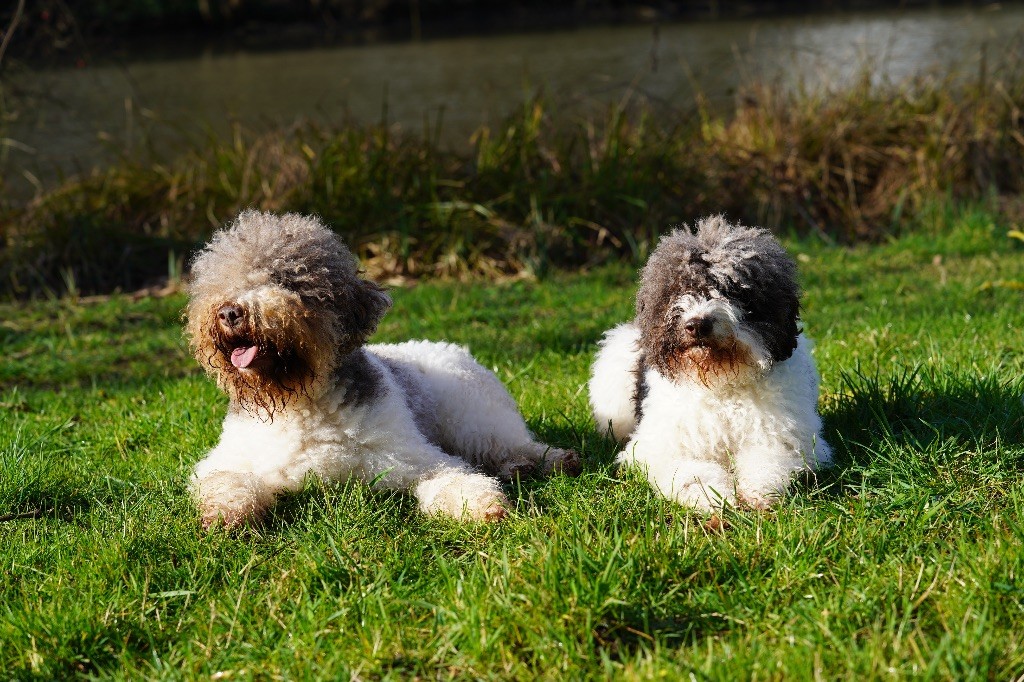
{"points": [[904, 561]]}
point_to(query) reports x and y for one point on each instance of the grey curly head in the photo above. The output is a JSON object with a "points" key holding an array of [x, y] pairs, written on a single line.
{"points": [[275, 302], [718, 303]]}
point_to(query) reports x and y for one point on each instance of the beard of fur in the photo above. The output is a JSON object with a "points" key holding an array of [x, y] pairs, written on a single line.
{"points": [[295, 356], [710, 365]]}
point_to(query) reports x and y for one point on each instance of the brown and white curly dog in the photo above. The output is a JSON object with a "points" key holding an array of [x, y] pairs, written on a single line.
{"points": [[279, 316]]}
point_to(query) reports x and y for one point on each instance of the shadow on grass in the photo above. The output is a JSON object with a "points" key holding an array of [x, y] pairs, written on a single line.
{"points": [[356, 504], [905, 413], [76, 649], [62, 506], [34, 484], [622, 636], [596, 450], [60, 345], [349, 504], [128, 373], [912, 413], [596, 453], [65, 498]]}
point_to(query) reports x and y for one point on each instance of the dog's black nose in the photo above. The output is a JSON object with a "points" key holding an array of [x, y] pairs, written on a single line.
{"points": [[699, 326], [230, 315]]}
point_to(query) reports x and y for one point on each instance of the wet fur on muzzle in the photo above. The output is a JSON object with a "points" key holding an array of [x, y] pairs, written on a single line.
{"points": [[302, 302], [739, 283], [708, 364], [292, 355]]}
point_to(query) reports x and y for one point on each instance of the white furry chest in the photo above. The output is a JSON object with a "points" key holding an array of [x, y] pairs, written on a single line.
{"points": [[262, 444], [725, 421], [325, 437]]}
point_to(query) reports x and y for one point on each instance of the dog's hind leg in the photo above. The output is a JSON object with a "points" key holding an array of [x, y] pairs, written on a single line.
{"points": [[495, 436], [536, 457], [478, 420], [470, 412], [399, 456]]}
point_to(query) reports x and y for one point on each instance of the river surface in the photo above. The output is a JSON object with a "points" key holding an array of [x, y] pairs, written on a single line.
{"points": [[78, 118]]}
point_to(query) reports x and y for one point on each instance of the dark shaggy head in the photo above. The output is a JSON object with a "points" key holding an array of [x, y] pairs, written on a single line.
{"points": [[275, 303], [719, 304]]}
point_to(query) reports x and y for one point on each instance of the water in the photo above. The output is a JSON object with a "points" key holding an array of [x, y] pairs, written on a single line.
{"points": [[84, 117]]}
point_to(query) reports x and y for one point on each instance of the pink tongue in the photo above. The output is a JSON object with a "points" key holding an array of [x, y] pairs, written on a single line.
{"points": [[243, 357]]}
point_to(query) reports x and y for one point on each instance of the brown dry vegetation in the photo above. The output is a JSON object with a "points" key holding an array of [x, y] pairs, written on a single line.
{"points": [[539, 191]]}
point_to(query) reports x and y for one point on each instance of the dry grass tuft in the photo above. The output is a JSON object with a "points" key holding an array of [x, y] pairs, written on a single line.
{"points": [[538, 191]]}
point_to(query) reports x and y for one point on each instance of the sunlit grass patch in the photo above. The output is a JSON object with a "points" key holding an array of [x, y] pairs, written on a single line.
{"points": [[903, 561]]}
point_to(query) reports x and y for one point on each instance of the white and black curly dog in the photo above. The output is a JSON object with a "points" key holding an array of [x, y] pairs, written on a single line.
{"points": [[279, 315], [713, 383]]}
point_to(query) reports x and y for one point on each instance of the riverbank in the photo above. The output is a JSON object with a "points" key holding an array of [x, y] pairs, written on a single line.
{"points": [[52, 31], [540, 191]]}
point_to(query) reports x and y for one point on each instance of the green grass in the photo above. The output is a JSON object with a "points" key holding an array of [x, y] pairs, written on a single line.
{"points": [[905, 561]]}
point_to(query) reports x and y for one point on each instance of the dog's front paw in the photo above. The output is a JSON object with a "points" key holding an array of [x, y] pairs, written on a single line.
{"points": [[464, 496], [212, 516], [701, 497], [230, 499], [704, 486], [760, 501]]}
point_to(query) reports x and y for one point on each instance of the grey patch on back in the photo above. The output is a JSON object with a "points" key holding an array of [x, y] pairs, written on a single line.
{"points": [[418, 401], [362, 381]]}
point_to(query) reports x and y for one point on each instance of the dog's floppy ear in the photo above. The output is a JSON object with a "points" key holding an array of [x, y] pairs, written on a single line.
{"points": [[362, 308]]}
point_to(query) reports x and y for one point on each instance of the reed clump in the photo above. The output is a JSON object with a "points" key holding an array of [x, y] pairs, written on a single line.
{"points": [[855, 164], [541, 190]]}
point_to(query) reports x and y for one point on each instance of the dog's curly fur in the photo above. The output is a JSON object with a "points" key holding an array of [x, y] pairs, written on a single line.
{"points": [[712, 382], [278, 314]]}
